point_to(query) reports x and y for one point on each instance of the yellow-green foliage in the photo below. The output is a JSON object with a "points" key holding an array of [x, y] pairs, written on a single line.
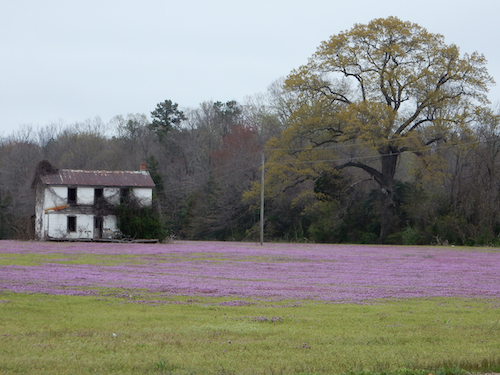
{"points": [[42, 334], [367, 96]]}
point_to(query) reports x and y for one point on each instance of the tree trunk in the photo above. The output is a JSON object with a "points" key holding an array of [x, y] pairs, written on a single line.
{"points": [[389, 158], [385, 178]]}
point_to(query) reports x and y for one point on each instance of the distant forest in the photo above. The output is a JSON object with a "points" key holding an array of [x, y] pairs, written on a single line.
{"points": [[409, 157]]}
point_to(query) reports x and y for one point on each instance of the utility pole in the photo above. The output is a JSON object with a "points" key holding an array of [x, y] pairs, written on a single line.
{"points": [[262, 201]]}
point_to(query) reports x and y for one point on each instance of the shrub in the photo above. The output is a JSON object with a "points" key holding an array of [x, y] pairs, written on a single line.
{"points": [[140, 222], [410, 236]]}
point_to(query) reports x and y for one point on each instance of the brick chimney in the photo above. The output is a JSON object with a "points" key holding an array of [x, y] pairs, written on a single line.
{"points": [[143, 167]]}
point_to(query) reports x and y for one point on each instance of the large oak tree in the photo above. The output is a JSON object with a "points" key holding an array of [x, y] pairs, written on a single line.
{"points": [[371, 93]]}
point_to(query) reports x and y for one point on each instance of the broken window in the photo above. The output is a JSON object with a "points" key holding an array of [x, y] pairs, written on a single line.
{"points": [[71, 223], [98, 194], [125, 195], [72, 196]]}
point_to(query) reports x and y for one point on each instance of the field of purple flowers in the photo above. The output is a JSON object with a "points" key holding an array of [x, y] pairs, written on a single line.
{"points": [[241, 272]]}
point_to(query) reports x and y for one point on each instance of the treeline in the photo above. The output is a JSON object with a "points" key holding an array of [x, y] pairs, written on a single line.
{"points": [[205, 165]]}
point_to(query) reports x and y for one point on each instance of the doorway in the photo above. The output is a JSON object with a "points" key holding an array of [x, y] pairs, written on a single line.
{"points": [[98, 225]]}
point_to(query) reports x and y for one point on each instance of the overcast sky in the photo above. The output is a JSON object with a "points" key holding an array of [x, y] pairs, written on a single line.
{"points": [[65, 61]]}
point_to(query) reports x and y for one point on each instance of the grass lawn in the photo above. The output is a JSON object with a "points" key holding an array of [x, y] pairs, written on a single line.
{"points": [[43, 334]]}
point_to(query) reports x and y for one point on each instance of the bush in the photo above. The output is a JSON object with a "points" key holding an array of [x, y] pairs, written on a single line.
{"points": [[140, 222], [410, 236]]}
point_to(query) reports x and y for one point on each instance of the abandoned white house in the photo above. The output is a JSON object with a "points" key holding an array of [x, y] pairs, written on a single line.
{"points": [[78, 204]]}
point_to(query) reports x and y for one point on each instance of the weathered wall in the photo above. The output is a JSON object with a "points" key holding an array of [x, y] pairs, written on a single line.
{"points": [[144, 195], [52, 215]]}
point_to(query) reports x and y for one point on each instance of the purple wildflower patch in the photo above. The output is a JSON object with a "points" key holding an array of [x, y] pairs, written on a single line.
{"points": [[238, 271]]}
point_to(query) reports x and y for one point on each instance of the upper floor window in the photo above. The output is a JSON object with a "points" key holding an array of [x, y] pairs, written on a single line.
{"points": [[125, 195], [72, 196], [98, 194]]}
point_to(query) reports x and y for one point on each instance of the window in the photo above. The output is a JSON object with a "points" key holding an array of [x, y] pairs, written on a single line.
{"points": [[71, 223], [98, 194], [72, 196], [124, 195]]}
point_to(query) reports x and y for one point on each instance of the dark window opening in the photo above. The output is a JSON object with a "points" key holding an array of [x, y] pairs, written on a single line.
{"points": [[71, 223], [98, 194], [72, 196], [124, 195]]}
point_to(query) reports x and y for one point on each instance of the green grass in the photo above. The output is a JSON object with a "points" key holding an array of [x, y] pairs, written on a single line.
{"points": [[42, 334], [9, 259]]}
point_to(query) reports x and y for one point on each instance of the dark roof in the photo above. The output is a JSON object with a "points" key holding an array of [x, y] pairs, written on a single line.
{"points": [[98, 178]]}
